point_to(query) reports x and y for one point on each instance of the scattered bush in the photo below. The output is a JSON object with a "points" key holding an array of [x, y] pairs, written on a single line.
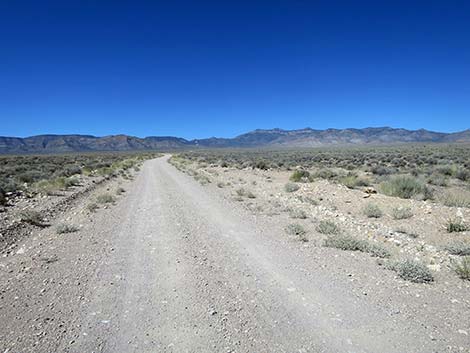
{"points": [[261, 164], [454, 199], [352, 181], [291, 187], [371, 210], [72, 181], [298, 213], [381, 170], [414, 271], [92, 207], [66, 228], [402, 213], [32, 217], [49, 187], [298, 231], [462, 174], [458, 248], [70, 170], [404, 187], [300, 176], [120, 191], [328, 227], [456, 225], [447, 170], [325, 174], [105, 198], [438, 179], [347, 242], [462, 268], [307, 199]]}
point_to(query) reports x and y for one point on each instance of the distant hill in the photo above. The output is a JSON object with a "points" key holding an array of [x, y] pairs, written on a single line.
{"points": [[258, 138]]}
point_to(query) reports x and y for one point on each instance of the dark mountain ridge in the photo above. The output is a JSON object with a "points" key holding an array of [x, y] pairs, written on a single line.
{"points": [[306, 137]]}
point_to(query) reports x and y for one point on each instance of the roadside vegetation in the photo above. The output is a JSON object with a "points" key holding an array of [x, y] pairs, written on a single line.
{"points": [[410, 201], [53, 174]]}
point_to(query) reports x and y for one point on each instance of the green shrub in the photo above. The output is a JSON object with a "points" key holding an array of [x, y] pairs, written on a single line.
{"points": [[66, 228], [72, 181], [456, 225], [458, 248], [413, 271], [447, 170], [462, 268], [328, 227], [462, 174], [352, 181], [298, 231], [347, 242], [371, 210], [404, 187], [70, 170], [300, 176], [438, 179], [291, 187], [105, 198], [49, 187], [402, 213], [325, 174], [120, 191]]}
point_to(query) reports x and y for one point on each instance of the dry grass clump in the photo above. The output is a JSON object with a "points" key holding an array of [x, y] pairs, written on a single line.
{"points": [[371, 210], [456, 199], [92, 207], [105, 198], [291, 187], [438, 179], [462, 268], [352, 181], [66, 228], [413, 271], [298, 213], [298, 231], [32, 217], [242, 192], [328, 227], [402, 213], [458, 248], [347, 242]]}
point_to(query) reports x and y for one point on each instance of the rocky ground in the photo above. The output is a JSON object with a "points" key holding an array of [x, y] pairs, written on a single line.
{"points": [[176, 266]]}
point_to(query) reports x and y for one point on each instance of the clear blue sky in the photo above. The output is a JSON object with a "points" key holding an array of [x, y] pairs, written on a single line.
{"points": [[219, 68]]}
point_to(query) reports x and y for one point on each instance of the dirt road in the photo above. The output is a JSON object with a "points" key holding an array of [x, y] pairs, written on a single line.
{"points": [[174, 268]]}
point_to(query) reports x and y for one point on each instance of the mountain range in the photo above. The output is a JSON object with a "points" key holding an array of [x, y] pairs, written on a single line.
{"points": [[272, 138]]}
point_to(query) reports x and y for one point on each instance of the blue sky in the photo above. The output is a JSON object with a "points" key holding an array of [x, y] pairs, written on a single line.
{"points": [[220, 68]]}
